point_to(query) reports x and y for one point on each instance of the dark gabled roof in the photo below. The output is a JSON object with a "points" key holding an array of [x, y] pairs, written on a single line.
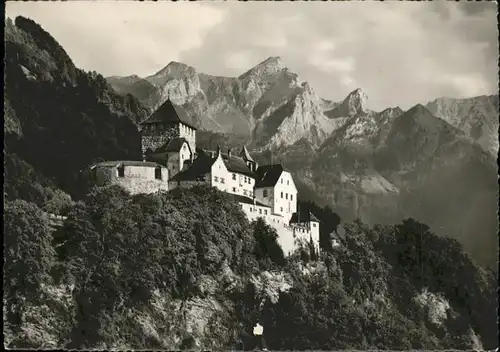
{"points": [[237, 164], [173, 145], [169, 112], [117, 163], [201, 165], [305, 216], [268, 175], [245, 154], [246, 200]]}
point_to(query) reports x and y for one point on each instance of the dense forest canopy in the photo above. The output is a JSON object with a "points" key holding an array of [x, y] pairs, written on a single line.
{"points": [[118, 252]]}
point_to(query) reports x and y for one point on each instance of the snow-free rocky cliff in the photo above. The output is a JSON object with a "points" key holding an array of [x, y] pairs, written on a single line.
{"points": [[477, 117], [268, 102]]}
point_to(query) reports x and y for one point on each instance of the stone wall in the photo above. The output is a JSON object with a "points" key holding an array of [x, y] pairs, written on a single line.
{"points": [[137, 179], [153, 139]]}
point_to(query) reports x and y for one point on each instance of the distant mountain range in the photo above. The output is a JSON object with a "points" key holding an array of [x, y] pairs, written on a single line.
{"points": [[436, 162]]}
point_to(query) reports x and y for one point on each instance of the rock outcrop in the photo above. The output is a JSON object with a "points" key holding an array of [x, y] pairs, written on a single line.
{"points": [[477, 117]]}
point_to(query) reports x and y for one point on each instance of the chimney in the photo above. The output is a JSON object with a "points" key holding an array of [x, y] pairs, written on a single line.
{"points": [[229, 152]]}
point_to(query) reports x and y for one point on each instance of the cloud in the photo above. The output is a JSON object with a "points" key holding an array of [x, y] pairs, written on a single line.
{"points": [[238, 60], [399, 53], [121, 38]]}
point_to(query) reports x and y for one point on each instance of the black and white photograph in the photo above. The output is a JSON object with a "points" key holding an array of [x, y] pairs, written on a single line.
{"points": [[251, 175]]}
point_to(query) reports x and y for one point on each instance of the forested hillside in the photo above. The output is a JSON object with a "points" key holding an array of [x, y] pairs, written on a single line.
{"points": [[185, 269], [58, 119]]}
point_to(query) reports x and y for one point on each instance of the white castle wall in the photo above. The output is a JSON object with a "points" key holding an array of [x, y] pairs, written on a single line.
{"points": [[290, 237], [220, 177], [285, 195], [136, 179]]}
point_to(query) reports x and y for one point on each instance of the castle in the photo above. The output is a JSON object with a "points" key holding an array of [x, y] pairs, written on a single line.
{"points": [[171, 159]]}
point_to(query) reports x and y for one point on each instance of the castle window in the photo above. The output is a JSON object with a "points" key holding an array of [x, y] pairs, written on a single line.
{"points": [[222, 180], [286, 195], [265, 211], [158, 173], [260, 211], [281, 180], [245, 192], [314, 225], [281, 194], [234, 176], [121, 171], [291, 196], [288, 183], [265, 193], [234, 189], [281, 208], [216, 179]]}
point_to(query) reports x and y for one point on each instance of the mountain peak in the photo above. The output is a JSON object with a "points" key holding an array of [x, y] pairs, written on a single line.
{"points": [[419, 109], [269, 66], [273, 60], [354, 103], [174, 68]]}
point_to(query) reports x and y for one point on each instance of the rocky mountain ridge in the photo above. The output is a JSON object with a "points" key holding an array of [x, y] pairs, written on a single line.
{"points": [[477, 117], [269, 102]]}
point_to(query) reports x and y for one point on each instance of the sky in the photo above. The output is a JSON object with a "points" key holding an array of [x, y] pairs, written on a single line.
{"points": [[398, 53]]}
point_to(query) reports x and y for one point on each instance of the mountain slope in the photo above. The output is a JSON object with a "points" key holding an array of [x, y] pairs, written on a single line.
{"points": [[59, 118], [385, 168], [188, 275], [477, 117]]}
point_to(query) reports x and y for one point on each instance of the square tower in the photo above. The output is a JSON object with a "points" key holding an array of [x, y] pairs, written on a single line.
{"points": [[166, 123]]}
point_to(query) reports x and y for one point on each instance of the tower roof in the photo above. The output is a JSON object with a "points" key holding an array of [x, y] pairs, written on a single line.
{"points": [[169, 112], [305, 216], [245, 154]]}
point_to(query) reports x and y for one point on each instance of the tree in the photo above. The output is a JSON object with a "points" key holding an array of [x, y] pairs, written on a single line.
{"points": [[29, 256], [267, 249]]}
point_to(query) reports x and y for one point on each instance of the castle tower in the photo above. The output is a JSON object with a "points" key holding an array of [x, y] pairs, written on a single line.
{"points": [[168, 122], [245, 155]]}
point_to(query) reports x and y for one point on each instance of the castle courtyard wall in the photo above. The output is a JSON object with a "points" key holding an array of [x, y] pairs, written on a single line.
{"points": [[136, 179]]}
